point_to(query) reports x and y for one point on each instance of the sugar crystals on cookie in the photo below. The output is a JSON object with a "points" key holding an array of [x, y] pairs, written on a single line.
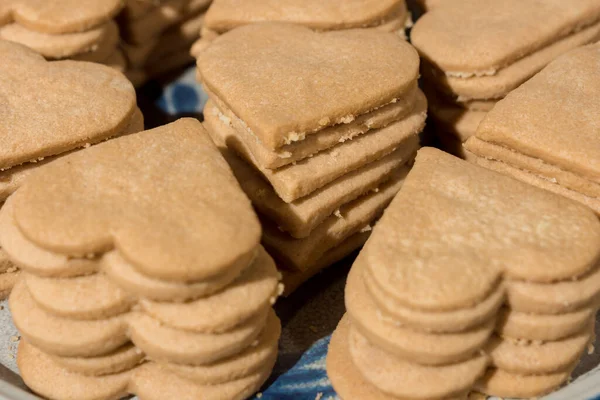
{"points": [[140, 281], [545, 133], [458, 285]]}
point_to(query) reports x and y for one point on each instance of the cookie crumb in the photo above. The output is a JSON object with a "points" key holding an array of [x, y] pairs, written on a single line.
{"points": [[366, 228], [258, 395], [338, 213], [15, 338], [319, 396]]}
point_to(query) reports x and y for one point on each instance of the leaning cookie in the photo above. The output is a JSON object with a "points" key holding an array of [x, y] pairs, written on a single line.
{"points": [[476, 51], [551, 143]]}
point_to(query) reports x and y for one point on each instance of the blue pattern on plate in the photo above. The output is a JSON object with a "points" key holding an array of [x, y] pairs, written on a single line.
{"points": [[307, 380], [183, 96]]}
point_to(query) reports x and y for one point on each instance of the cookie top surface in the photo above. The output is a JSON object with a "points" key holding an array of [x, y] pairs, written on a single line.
{"points": [[59, 16], [455, 228], [481, 36], [48, 108], [554, 116], [285, 81], [165, 199], [225, 15]]}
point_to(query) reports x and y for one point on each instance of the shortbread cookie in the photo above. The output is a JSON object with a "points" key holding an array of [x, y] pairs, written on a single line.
{"points": [[35, 259], [102, 51], [312, 144], [437, 280], [68, 223], [298, 180], [347, 381], [512, 76], [537, 358], [299, 254], [411, 345], [46, 378], [566, 164], [251, 293], [11, 179], [159, 19], [122, 359], [153, 382], [79, 91], [495, 34], [61, 16], [62, 336], [542, 327], [225, 15], [444, 321], [162, 343], [330, 60], [293, 279], [178, 36], [60, 46], [557, 297], [86, 297], [397, 377], [302, 216], [499, 383], [130, 279], [537, 166], [238, 366], [535, 180]]}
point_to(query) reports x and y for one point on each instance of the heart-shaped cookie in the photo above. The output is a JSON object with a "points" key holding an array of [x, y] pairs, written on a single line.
{"points": [[458, 220], [59, 16], [164, 199], [48, 108], [285, 81], [480, 37], [225, 15]]}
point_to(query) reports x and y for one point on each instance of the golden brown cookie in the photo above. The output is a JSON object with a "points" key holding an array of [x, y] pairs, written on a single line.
{"points": [[69, 224], [331, 61]]}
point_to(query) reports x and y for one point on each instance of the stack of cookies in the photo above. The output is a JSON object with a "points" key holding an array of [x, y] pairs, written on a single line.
{"points": [[50, 109], [80, 30], [157, 35], [476, 51], [545, 133], [471, 280], [225, 15], [137, 281], [318, 135]]}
